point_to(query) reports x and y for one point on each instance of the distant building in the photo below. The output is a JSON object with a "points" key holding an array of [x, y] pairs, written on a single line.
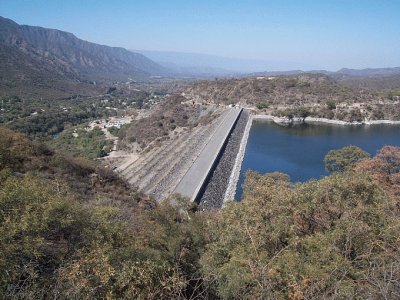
{"points": [[115, 123]]}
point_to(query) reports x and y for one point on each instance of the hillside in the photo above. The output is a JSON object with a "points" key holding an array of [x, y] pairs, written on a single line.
{"points": [[372, 78], [369, 72], [48, 59], [70, 229], [372, 82], [315, 94], [375, 78]]}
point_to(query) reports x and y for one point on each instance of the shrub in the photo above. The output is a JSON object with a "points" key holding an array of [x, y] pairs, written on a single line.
{"points": [[339, 160], [261, 105]]}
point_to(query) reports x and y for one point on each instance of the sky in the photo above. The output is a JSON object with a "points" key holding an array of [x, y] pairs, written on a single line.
{"points": [[323, 34]]}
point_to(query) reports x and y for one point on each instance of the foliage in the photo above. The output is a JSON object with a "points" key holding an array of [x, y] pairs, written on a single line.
{"points": [[79, 142], [331, 104], [53, 246], [39, 230], [323, 239], [261, 105], [71, 230], [301, 112], [47, 117], [14, 149], [385, 169], [338, 160], [83, 177], [114, 130]]}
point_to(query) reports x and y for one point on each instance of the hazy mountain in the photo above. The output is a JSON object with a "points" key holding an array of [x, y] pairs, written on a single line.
{"points": [[193, 64], [196, 71], [38, 56], [370, 72], [200, 64]]}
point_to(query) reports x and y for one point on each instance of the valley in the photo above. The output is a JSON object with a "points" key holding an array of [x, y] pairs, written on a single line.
{"points": [[156, 174]]}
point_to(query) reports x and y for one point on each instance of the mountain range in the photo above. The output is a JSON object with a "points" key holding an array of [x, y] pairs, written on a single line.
{"points": [[42, 58], [49, 63], [342, 73], [197, 64]]}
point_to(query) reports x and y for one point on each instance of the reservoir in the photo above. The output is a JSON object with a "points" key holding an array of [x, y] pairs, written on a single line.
{"points": [[299, 150]]}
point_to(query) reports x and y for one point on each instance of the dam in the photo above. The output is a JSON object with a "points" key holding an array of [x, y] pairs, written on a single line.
{"points": [[197, 163], [194, 181]]}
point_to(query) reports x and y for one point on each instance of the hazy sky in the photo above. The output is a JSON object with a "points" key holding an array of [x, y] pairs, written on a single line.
{"points": [[327, 34]]}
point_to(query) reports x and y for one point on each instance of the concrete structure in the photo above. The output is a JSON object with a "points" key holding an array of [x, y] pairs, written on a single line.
{"points": [[193, 181]]}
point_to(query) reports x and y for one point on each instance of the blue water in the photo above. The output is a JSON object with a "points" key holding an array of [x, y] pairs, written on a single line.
{"points": [[299, 150]]}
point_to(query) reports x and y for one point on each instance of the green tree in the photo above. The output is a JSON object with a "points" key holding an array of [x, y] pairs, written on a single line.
{"points": [[261, 105], [331, 104], [338, 160]]}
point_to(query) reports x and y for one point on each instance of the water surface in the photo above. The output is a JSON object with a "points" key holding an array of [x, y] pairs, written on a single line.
{"points": [[299, 150]]}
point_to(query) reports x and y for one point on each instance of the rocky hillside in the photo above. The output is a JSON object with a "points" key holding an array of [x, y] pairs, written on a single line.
{"points": [[318, 94], [52, 59], [372, 78]]}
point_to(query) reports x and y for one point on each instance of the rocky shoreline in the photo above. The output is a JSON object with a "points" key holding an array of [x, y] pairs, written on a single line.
{"points": [[279, 120], [234, 178]]}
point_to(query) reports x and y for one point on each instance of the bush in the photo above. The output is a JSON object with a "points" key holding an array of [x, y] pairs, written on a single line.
{"points": [[339, 160], [52, 245], [331, 104], [15, 149], [261, 105], [314, 240]]}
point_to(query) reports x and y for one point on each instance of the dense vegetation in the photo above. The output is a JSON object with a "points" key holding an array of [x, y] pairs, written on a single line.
{"points": [[328, 239], [80, 142], [39, 117], [69, 229]]}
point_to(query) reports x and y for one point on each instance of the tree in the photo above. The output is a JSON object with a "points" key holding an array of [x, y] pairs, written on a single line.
{"points": [[338, 160], [261, 105], [331, 104], [323, 239]]}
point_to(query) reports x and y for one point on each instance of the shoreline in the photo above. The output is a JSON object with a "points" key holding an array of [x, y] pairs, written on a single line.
{"points": [[234, 177], [326, 121]]}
